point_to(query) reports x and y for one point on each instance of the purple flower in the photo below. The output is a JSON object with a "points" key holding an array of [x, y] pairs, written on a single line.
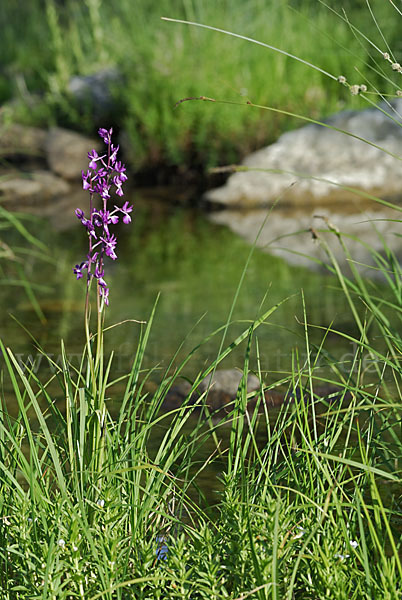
{"points": [[85, 183], [108, 217], [104, 170], [93, 156], [105, 134], [97, 221], [125, 209], [105, 217], [118, 184], [110, 242], [120, 169], [99, 273], [102, 188], [89, 226], [104, 293], [113, 155], [79, 268]]}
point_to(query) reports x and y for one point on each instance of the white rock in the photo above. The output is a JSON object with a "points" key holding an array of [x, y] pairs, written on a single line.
{"points": [[315, 160]]}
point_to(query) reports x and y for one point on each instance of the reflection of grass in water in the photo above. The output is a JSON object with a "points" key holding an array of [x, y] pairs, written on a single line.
{"points": [[15, 259], [196, 266]]}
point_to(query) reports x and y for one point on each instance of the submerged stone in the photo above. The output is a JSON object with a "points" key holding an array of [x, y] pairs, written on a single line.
{"points": [[219, 388], [31, 191]]}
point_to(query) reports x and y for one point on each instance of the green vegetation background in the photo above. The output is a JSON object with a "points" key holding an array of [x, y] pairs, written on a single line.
{"points": [[44, 43]]}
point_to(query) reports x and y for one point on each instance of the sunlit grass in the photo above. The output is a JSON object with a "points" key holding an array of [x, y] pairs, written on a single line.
{"points": [[302, 514], [308, 498]]}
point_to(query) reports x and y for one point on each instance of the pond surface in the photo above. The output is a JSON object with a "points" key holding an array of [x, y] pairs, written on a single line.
{"points": [[303, 235], [195, 266]]}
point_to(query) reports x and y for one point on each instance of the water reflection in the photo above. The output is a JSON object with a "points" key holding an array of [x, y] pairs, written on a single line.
{"points": [[196, 266], [294, 233]]}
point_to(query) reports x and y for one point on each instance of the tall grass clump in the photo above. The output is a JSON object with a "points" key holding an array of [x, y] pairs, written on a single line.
{"points": [[308, 497]]}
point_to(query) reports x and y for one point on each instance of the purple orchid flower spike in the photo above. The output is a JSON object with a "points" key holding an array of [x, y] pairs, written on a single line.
{"points": [[105, 175]]}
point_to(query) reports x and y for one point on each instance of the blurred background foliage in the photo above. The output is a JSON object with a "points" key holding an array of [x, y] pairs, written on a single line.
{"points": [[45, 44]]}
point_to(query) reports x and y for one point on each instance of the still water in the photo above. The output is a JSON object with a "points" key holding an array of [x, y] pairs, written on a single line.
{"points": [[195, 267]]}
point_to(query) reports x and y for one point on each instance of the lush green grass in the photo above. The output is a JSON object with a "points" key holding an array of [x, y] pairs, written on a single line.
{"points": [[310, 504], [162, 63], [86, 508], [310, 498]]}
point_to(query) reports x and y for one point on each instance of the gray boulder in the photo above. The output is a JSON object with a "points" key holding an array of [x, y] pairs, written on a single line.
{"points": [[17, 140], [313, 161], [67, 151], [97, 89], [64, 151]]}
